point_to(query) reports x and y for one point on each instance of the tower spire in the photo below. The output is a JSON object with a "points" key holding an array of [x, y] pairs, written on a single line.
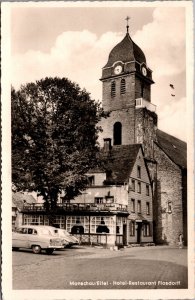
{"points": [[127, 19]]}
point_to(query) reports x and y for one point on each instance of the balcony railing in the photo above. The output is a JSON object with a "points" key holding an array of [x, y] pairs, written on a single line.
{"points": [[37, 207], [140, 103]]}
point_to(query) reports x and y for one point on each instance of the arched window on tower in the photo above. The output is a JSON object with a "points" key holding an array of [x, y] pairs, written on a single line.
{"points": [[113, 89], [117, 133], [123, 86]]}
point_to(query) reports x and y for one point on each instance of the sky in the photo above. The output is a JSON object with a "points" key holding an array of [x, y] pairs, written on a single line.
{"points": [[75, 42]]}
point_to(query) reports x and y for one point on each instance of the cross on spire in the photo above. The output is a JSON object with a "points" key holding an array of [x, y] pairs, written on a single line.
{"points": [[127, 19]]}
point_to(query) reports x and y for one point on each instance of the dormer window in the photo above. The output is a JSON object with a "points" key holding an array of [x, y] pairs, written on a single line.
{"points": [[123, 86], [113, 89]]}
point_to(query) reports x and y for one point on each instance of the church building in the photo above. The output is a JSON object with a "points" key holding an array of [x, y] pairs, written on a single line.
{"points": [[140, 193], [127, 81]]}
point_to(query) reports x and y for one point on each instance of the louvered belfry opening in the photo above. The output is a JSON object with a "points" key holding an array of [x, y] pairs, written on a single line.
{"points": [[113, 89], [123, 86]]}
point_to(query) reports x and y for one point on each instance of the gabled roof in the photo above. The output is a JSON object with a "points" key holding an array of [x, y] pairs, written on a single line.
{"points": [[119, 162], [175, 149], [18, 199]]}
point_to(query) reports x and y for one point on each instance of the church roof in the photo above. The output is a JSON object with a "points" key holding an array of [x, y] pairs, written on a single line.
{"points": [[125, 51], [119, 162], [173, 147]]}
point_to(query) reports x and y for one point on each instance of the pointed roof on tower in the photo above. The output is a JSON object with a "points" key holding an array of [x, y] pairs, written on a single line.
{"points": [[126, 51]]}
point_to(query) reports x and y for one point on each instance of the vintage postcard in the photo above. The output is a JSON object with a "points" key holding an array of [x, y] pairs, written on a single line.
{"points": [[97, 150]]}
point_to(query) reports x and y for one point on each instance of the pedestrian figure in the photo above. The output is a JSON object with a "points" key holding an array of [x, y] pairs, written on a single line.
{"points": [[180, 241]]}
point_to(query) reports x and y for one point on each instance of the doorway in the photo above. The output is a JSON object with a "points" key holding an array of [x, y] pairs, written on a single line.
{"points": [[139, 227], [124, 234]]}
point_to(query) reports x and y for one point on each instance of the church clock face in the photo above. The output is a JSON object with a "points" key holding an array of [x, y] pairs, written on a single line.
{"points": [[117, 70], [144, 71]]}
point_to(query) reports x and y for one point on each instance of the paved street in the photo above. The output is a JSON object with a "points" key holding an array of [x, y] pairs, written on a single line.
{"points": [[95, 268]]}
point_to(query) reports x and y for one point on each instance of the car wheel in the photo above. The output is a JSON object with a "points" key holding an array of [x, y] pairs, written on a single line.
{"points": [[15, 248], [36, 249], [49, 251]]}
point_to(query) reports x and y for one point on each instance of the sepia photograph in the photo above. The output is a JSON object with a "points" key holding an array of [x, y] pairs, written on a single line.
{"points": [[97, 150]]}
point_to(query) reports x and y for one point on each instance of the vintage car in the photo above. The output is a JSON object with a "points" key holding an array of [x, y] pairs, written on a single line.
{"points": [[37, 238], [54, 232], [62, 233]]}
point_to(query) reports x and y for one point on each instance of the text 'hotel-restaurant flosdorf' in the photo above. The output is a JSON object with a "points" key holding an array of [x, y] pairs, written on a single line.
{"points": [[140, 195]]}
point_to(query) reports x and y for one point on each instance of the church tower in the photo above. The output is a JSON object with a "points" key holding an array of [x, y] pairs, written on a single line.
{"points": [[127, 81]]}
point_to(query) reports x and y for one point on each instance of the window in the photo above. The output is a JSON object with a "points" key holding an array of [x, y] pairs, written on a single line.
{"points": [[79, 224], [132, 205], [59, 221], [139, 187], [119, 225], [99, 200], [123, 86], [147, 190], [138, 172], [102, 223], [147, 208], [91, 180], [117, 133], [109, 199], [146, 229], [13, 220], [30, 230], [107, 144], [169, 207], [133, 185], [132, 228], [34, 220], [139, 207], [113, 89]]}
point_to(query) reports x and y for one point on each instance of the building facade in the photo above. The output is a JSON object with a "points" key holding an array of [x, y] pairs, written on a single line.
{"points": [[116, 208], [140, 195]]}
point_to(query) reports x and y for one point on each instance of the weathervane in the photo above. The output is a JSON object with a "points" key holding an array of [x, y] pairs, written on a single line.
{"points": [[127, 19]]}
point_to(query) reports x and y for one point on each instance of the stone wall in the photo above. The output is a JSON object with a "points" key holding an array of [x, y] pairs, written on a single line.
{"points": [[145, 130], [127, 118], [184, 203], [168, 215], [110, 103]]}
